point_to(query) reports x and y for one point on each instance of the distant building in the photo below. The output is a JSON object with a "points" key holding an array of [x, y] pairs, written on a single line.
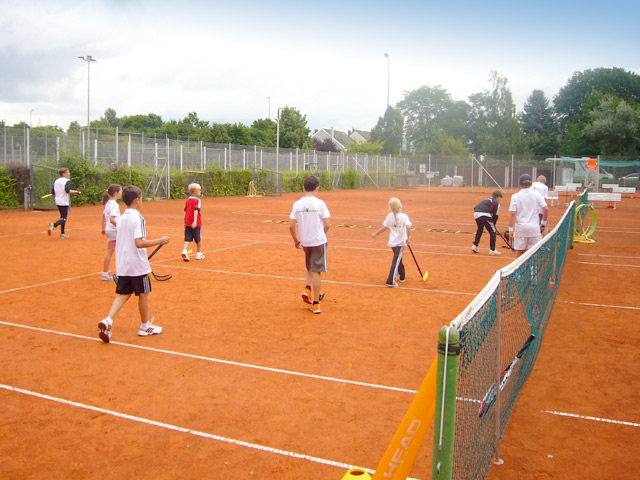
{"points": [[340, 139]]}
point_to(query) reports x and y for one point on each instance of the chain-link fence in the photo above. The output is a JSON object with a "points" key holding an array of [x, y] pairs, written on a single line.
{"points": [[109, 147]]}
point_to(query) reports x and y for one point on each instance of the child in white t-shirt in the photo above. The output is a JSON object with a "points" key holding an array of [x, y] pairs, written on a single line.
{"points": [[132, 265], [312, 217], [110, 217], [398, 225]]}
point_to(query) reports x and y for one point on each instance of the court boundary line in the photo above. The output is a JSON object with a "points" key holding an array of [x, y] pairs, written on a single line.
{"points": [[176, 428], [595, 419], [219, 360]]}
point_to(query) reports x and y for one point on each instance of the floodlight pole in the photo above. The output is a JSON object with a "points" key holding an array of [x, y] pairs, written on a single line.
{"points": [[278, 141], [88, 59], [386, 55], [269, 98]]}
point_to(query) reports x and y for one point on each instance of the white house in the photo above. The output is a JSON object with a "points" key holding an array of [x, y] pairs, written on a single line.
{"points": [[341, 140]]}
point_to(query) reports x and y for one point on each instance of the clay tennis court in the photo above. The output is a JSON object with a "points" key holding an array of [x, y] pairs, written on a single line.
{"points": [[245, 382]]}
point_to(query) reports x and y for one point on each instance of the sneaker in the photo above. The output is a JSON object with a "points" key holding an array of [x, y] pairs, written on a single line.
{"points": [[474, 248], [392, 285], [106, 277], [199, 256], [150, 330], [321, 297], [63, 236], [494, 252], [185, 256], [402, 279], [105, 331], [50, 229], [315, 308], [306, 296]]}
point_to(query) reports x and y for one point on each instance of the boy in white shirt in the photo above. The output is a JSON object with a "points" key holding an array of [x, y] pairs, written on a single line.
{"points": [[524, 223], [312, 216], [62, 191], [132, 265]]}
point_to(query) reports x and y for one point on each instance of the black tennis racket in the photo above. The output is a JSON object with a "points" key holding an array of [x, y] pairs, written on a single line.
{"points": [[490, 397], [159, 278], [495, 229]]}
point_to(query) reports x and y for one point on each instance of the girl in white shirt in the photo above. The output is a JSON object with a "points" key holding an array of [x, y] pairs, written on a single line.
{"points": [[398, 225], [110, 217]]}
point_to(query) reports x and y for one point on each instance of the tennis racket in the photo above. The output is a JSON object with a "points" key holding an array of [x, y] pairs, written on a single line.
{"points": [[490, 397], [426, 274], [47, 195], [159, 278], [508, 244]]}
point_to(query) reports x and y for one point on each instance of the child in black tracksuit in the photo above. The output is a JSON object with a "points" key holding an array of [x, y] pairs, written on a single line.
{"points": [[486, 216]]}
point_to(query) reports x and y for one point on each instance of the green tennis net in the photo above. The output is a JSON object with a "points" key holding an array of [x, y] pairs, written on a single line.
{"points": [[500, 334]]}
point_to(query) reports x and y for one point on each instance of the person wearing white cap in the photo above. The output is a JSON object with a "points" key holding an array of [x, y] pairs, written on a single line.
{"points": [[524, 224]]}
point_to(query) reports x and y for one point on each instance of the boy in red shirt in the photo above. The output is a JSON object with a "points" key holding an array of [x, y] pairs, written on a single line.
{"points": [[193, 222]]}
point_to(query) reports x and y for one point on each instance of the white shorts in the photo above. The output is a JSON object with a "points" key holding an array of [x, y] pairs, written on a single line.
{"points": [[523, 243], [111, 235]]}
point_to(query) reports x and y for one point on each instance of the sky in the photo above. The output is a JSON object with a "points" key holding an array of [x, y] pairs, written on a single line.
{"points": [[240, 61]]}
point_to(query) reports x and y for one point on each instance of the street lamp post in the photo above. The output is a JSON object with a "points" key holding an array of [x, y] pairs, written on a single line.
{"points": [[386, 55], [269, 107], [88, 59], [278, 141], [30, 118]]}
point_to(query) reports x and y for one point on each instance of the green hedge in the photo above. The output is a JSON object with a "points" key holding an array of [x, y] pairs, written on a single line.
{"points": [[93, 182]]}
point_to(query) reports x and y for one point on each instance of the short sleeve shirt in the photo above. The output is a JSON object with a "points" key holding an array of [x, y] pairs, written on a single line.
{"points": [[397, 225], [310, 212], [131, 261], [526, 204], [191, 209], [111, 209], [60, 191]]}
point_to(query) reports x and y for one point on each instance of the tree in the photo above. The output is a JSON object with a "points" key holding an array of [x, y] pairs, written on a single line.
{"points": [[443, 144], [388, 131], [325, 145], [263, 132], [581, 95], [430, 109], [493, 123], [141, 123], [539, 125], [294, 132], [615, 125], [371, 147]]}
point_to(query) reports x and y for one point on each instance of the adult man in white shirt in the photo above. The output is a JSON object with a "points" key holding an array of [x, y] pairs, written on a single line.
{"points": [[524, 223]]}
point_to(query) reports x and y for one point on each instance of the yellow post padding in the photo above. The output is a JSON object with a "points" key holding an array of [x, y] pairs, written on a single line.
{"points": [[403, 450]]}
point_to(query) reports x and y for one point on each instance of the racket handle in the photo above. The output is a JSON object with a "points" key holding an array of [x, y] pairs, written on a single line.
{"points": [[154, 252]]}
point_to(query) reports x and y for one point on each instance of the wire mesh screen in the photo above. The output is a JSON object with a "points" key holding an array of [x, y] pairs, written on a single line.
{"points": [[500, 335], [42, 179]]}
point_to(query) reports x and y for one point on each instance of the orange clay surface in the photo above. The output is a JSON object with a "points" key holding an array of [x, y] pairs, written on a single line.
{"points": [[246, 383]]}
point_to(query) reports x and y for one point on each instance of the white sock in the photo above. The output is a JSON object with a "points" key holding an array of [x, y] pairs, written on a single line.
{"points": [[109, 320]]}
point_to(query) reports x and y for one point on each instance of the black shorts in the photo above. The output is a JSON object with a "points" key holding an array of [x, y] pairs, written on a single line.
{"points": [[192, 234], [137, 285], [316, 258]]}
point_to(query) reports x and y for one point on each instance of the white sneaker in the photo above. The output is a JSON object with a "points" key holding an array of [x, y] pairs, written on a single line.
{"points": [[474, 249], [106, 277], [150, 330], [199, 256], [105, 331], [494, 252], [185, 256]]}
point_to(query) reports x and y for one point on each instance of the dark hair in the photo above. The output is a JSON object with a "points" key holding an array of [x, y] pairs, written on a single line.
{"points": [[110, 192], [130, 193], [311, 183], [496, 194]]}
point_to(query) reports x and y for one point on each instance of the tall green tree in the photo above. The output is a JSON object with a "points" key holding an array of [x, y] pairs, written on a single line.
{"points": [[539, 125], [495, 129], [581, 95], [294, 132], [615, 125], [388, 131], [431, 109]]}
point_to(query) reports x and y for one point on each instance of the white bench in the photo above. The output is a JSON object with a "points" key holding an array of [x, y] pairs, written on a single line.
{"points": [[552, 195], [621, 190], [610, 185], [605, 197], [567, 190]]}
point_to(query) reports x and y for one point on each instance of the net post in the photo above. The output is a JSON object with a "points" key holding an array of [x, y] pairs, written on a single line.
{"points": [[497, 459], [446, 388]]}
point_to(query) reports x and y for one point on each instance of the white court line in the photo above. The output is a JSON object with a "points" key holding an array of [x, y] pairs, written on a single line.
{"points": [[176, 428], [585, 304], [218, 360], [48, 283], [609, 264], [282, 277], [606, 256], [596, 419]]}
